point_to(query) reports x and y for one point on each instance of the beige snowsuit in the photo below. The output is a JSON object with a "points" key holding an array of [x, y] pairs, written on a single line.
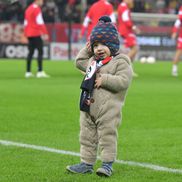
{"points": [[99, 127]]}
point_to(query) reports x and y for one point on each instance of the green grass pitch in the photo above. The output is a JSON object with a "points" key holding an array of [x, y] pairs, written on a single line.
{"points": [[45, 112]]}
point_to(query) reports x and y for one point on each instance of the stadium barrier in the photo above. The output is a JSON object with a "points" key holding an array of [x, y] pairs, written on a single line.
{"points": [[154, 40], [20, 51]]}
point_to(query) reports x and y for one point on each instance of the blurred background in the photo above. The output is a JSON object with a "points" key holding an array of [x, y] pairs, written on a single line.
{"points": [[45, 113], [63, 19], [58, 10]]}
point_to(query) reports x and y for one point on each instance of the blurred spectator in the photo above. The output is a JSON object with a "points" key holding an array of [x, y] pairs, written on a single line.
{"points": [[49, 10], [48, 16], [148, 6], [139, 6], [58, 10], [172, 7], [61, 5], [90, 2], [2, 11], [160, 6], [75, 8], [11, 12]]}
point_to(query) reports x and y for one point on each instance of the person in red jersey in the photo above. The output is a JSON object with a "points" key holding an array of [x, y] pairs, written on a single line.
{"points": [[177, 28], [127, 29], [35, 30], [98, 9]]}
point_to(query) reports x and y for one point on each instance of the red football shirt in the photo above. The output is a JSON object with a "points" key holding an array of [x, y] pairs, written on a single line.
{"points": [[178, 22], [98, 9], [124, 19], [33, 22]]}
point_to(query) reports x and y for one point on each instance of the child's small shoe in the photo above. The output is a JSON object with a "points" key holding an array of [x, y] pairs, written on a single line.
{"points": [[105, 171], [81, 168]]}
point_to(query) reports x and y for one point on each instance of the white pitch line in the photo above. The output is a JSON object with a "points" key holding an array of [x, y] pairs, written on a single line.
{"points": [[129, 163]]}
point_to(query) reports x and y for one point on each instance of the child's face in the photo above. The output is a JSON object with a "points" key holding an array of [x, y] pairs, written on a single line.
{"points": [[101, 50]]}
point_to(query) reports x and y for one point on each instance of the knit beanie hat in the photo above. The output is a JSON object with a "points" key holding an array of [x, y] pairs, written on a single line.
{"points": [[106, 33]]}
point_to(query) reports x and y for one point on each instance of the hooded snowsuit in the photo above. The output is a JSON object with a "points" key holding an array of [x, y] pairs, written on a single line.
{"points": [[99, 125]]}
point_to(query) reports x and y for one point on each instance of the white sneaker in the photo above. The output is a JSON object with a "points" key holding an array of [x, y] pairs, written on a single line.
{"points": [[42, 74], [28, 75], [174, 73], [174, 70]]}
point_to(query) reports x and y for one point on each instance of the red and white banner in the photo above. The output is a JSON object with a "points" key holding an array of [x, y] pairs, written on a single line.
{"points": [[10, 33], [58, 32], [59, 51]]}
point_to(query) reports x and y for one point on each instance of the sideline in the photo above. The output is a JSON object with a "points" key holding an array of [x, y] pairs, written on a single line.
{"points": [[129, 163]]}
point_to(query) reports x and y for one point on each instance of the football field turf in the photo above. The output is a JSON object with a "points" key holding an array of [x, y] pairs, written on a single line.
{"points": [[43, 113]]}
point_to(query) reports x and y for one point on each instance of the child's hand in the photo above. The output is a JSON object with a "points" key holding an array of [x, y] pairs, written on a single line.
{"points": [[83, 73], [98, 82], [88, 46], [45, 37], [174, 35], [136, 29]]}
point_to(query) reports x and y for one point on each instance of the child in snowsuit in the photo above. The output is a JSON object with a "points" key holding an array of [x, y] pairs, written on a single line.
{"points": [[108, 76]]}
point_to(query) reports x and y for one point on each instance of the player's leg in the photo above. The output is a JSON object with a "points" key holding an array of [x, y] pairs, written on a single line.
{"points": [[176, 58], [40, 73], [175, 62], [40, 53], [131, 42], [31, 48], [132, 53]]}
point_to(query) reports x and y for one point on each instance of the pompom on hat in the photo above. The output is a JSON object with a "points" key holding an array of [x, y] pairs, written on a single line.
{"points": [[105, 19], [106, 33]]}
